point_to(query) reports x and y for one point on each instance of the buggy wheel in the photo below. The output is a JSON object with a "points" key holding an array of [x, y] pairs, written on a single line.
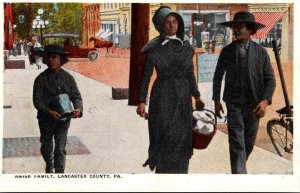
{"points": [[281, 137], [93, 55]]}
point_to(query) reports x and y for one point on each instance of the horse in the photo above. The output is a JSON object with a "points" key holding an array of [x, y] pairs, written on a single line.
{"points": [[98, 43]]}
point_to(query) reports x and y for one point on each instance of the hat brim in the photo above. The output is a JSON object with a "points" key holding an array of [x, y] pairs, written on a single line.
{"points": [[230, 24]]}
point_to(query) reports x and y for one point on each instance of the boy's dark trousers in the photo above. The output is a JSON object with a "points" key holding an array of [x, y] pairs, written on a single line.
{"points": [[58, 130]]}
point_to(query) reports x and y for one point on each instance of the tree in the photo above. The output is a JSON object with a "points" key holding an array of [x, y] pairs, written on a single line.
{"points": [[68, 18], [22, 26], [24, 13], [63, 18]]}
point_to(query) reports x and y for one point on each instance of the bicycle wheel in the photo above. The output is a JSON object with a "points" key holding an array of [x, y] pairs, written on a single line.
{"points": [[281, 136]]}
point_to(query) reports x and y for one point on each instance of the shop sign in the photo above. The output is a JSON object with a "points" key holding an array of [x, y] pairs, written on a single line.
{"points": [[206, 66]]}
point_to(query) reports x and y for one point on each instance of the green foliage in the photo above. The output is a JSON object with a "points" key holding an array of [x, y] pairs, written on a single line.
{"points": [[68, 18], [29, 10], [65, 18], [22, 29]]}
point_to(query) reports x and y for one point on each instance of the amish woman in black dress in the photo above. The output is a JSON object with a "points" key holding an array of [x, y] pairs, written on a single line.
{"points": [[170, 108]]}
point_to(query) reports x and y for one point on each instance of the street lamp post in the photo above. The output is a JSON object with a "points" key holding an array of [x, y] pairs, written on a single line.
{"points": [[38, 22]]}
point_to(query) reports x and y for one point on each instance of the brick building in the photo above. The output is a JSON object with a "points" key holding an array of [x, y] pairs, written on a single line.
{"points": [[90, 22]]}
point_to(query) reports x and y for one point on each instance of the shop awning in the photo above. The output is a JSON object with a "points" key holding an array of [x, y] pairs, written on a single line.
{"points": [[269, 19]]}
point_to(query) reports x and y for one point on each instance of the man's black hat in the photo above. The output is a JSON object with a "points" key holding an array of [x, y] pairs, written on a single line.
{"points": [[54, 49], [243, 16]]}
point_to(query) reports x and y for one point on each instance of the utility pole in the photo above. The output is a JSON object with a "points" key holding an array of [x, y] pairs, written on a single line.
{"points": [[139, 37]]}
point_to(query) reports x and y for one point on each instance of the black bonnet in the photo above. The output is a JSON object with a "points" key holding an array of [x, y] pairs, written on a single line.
{"points": [[160, 17]]}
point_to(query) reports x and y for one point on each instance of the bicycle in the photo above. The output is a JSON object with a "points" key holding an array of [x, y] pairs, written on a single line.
{"points": [[281, 130]]}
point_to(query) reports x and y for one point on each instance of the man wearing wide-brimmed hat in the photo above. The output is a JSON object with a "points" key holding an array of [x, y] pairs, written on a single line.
{"points": [[249, 87], [51, 91]]}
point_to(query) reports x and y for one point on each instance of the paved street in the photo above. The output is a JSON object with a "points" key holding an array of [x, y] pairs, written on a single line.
{"points": [[115, 137]]}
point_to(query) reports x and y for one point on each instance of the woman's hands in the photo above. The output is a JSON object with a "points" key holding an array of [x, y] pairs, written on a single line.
{"points": [[140, 110]]}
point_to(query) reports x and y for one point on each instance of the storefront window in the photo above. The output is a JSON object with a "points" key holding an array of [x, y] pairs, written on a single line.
{"points": [[274, 34], [204, 29], [207, 29], [187, 23]]}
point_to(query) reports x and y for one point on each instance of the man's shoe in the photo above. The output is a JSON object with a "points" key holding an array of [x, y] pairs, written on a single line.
{"points": [[59, 171], [49, 169]]}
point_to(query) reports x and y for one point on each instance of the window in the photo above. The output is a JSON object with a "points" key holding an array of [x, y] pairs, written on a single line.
{"points": [[204, 28], [208, 28], [187, 23], [274, 34]]}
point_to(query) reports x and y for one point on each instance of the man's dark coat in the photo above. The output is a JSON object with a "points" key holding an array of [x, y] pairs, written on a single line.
{"points": [[261, 74]]}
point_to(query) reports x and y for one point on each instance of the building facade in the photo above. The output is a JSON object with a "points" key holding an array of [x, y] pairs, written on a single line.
{"points": [[279, 27], [116, 23], [202, 24], [90, 22]]}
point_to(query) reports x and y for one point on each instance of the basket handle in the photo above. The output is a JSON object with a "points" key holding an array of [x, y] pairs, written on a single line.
{"points": [[215, 118]]}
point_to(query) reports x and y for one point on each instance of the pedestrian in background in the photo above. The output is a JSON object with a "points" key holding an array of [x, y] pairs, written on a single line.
{"points": [[170, 109], [48, 87], [25, 46], [30, 50], [37, 51], [15, 48], [19, 47], [249, 87]]}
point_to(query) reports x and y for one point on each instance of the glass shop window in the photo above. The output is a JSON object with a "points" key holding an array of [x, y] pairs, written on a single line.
{"points": [[204, 28], [274, 34], [207, 29]]}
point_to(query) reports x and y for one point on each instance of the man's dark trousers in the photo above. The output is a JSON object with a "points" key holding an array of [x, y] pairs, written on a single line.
{"points": [[58, 130], [242, 131]]}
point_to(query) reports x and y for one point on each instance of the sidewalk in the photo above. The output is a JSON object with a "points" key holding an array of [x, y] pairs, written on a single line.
{"points": [[114, 70], [115, 136]]}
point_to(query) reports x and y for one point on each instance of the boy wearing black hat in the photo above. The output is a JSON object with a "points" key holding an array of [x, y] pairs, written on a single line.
{"points": [[249, 87], [48, 89]]}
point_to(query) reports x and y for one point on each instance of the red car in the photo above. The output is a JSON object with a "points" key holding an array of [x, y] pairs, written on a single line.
{"points": [[75, 51]]}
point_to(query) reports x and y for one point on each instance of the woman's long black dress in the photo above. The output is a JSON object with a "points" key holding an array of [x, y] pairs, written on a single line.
{"points": [[170, 108]]}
